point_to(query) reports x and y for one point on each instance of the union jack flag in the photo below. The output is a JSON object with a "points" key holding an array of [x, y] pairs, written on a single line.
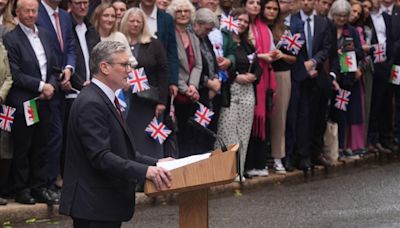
{"points": [[292, 43], [229, 23], [203, 115], [6, 117], [342, 99], [157, 130], [138, 80], [119, 93], [379, 52]]}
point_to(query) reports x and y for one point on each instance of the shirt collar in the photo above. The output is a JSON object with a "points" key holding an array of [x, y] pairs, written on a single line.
{"points": [[107, 90], [29, 31], [49, 10], [153, 13], [390, 8], [304, 16]]}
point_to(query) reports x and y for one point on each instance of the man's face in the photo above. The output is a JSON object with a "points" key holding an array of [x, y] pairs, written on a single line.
{"points": [[117, 70], [308, 6], [226, 3], [285, 6], [120, 9], [387, 2], [27, 12], [148, 3], [323, 7], [79, 8], [210, 4]]}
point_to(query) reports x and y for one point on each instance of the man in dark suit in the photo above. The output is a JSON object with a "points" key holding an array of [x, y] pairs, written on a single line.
{"points": [[31, 60], [162, 26], [380, 118], [86, 37], [58, 24], [102, 166], [314, 83]]}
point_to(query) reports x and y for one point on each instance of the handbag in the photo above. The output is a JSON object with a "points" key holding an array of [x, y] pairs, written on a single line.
{"points": [[331, 142], [152, 94], [182, 99]]}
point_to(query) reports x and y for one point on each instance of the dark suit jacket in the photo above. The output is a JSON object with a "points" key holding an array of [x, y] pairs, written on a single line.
{"points": [[166, 34], [102, 166], [396, 34], [25, 68], [92, 38], [66, 57], [322, 42], [389, 42], [154, 60]]}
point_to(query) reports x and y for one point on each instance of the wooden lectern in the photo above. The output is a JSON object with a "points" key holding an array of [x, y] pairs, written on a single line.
{"points": [[192, 183]]}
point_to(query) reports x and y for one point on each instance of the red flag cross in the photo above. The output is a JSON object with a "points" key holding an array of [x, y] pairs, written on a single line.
{"points": [[292, 41], [138, 79], [228, 22], [203, 116], [378, 54], [342, 99], [158, 130]]}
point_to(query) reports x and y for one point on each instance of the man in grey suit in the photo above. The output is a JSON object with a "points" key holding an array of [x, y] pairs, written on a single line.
{"points": [[102, 166]]}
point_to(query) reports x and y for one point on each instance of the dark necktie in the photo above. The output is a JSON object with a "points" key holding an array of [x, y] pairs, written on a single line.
{"points": [[116, 102], [309, 38]]}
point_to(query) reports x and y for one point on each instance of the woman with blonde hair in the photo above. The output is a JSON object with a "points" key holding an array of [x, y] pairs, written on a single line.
{"points": [[7, 21], [150, 54], [105, 21]]}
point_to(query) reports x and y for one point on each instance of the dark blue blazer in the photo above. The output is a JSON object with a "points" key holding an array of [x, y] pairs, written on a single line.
{"points": [[322, 43], [25, 67], [66, 57], [395, 18], [166, 34], [389, 41]]}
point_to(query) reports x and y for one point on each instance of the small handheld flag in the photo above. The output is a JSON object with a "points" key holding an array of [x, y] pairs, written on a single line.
{"points": [[342, 99], [31, 112], [348, 62], [119, 93], [292, 43], [157, 130], [229, 23], [203, 115], [395, 75], [7, 114], [138, 80], [379, 53]]}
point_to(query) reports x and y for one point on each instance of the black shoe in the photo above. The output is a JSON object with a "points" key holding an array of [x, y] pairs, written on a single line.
{"points": [[288, 165], [41, 195], [55, 194], [24, 197], [323, 161], [3, 201], [304, 165]]}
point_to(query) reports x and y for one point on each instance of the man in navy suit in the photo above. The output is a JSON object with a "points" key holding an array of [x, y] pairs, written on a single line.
{"points": [[162, 26], [31, 60], [102, 166], [314, 82], [58, 24]]}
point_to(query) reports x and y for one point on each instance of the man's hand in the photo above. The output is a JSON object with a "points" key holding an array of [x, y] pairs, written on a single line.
{"points": [[309, 65], [65, 83], [159, 110], [159, 176], [166, 159], [47, 92], [173, 90]]}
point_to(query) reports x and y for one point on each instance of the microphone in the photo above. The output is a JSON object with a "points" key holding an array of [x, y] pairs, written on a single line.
{"points": [[208, 132]]}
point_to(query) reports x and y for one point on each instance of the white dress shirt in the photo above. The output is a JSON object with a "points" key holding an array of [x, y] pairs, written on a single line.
{"points": [[152, 21], [388, 10], [81, 32], [380, 26], [34, 40], [107, 90], [304, 19]]}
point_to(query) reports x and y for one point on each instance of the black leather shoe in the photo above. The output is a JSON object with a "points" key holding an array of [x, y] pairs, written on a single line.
{"points": [[24, 197], [323, 161], [55, 194], [3, 201], [288, 165], [304, 165], [41, 195]]}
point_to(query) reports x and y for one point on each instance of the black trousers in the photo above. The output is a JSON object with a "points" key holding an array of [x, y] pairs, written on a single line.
{"points": [[30, 144], [83, 223]]}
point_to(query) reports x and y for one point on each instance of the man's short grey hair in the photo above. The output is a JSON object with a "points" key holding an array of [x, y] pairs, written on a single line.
{"points": [[340, 7], [205, 16], [179, 4], [104, 52]]}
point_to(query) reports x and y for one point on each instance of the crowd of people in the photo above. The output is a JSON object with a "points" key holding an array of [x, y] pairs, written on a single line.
{"points": [[272, 99]]}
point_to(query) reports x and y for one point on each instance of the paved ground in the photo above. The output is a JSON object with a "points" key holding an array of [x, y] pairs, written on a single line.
{"points": [[365, 196]]}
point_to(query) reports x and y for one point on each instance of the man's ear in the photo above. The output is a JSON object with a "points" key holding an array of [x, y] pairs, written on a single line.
{"points": [[104, 68]]}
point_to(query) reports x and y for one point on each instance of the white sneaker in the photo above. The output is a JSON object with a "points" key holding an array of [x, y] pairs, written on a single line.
{"points": [[262, 172], [252, 173], [237, 179], [278, 167]]}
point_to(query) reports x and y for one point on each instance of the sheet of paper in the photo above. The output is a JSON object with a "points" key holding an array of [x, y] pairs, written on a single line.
{"points": [[170, 165]]}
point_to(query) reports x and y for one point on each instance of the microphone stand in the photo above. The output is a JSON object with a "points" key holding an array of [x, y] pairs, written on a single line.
{"points": [[207, 131]]}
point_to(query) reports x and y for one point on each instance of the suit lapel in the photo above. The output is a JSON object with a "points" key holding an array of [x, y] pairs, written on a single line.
{"points": [[25, 41], [47, 51], [182, 52], [317, 28]]}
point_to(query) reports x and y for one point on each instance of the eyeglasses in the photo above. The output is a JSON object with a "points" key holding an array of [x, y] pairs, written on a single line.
{"points": [[128, 66]]}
